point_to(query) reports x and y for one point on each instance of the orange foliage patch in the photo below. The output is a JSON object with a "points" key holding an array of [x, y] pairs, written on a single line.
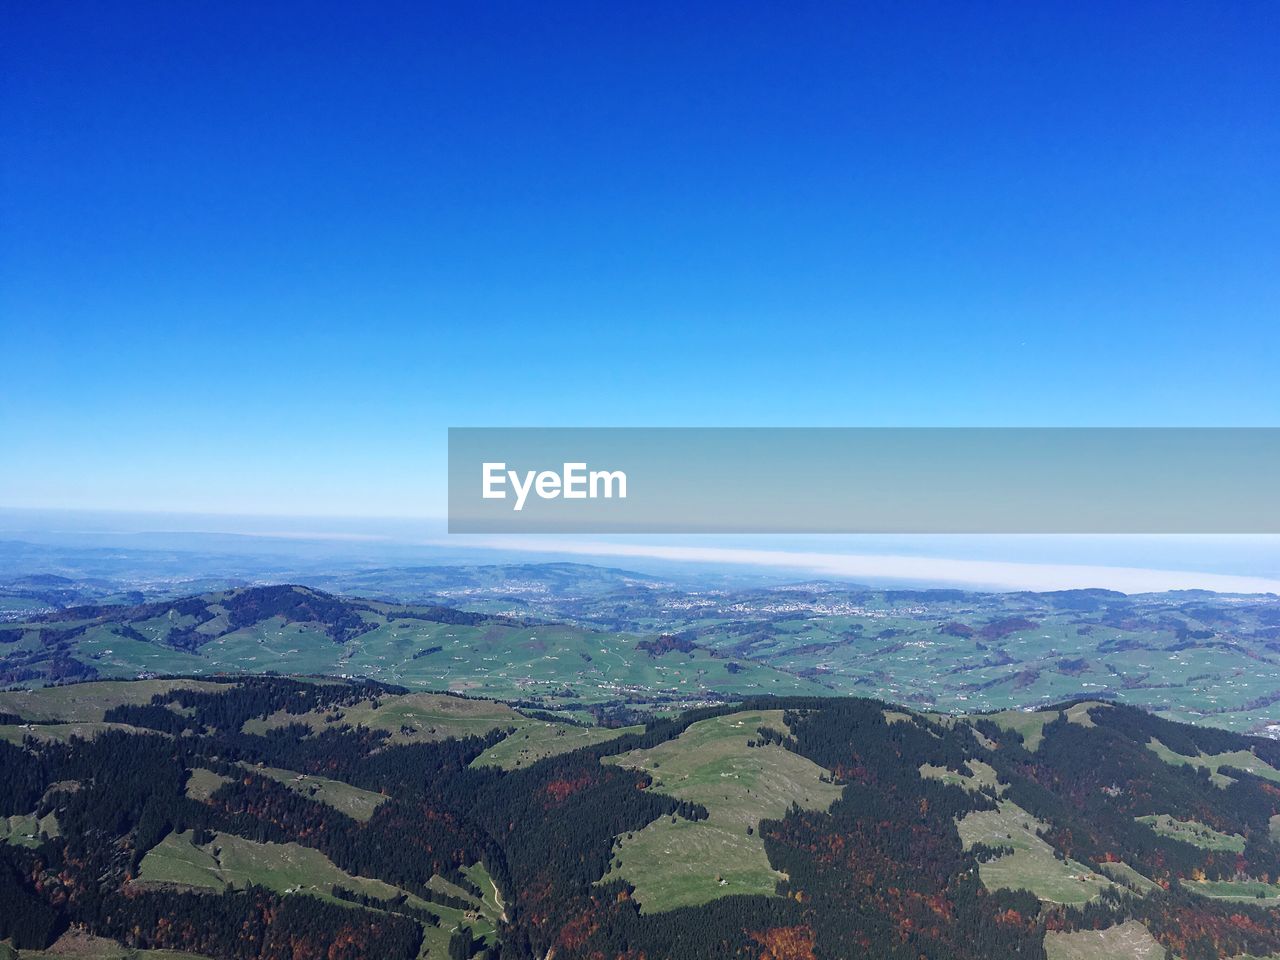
{"points": [[785, 943], [560, 790]]}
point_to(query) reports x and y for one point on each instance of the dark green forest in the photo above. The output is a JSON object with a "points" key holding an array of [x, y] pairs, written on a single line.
{"points": [[883, 872]]}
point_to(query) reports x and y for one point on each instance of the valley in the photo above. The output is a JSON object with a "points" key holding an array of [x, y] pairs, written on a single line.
{"points": [[573, 637]]}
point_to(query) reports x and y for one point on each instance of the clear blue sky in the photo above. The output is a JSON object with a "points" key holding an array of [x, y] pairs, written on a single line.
{"points": [[257, 257]]}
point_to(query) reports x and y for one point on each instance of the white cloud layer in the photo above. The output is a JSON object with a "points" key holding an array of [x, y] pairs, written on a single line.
{"points": [[988, 574]]}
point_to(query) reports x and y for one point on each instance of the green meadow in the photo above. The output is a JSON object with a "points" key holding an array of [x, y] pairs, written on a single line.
{"points": [[1032, 865], [675, 862]]}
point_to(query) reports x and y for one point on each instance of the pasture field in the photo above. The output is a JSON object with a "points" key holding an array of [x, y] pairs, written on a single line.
{"points": [[231, 861], [537, 740], [202, 783], [400, 645], [64, 732], [984, 775], [25, 829], [88, 702], [115, 655], [1031, 723], [409, 718], [482, 918], [1240, 759], [1032, 865], [354, 802], [488, 660], [1127, 941], [1251, 891], [77, 945], [509, 662], [1190, 831], [490, 904], [1126, 876], [417, 717], [936, 654], [675, 862]]}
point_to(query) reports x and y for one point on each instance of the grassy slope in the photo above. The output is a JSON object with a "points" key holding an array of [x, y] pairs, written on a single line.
{"points": [[537, 740], [417, 717], [63, 732], [1127, 941], [76, 711], [343, 797], [897, 653], [202, 783], [409, 718], [983, 775], [25, 829], [1031, 723], [87, 702], [1249, 891], [1241, 759], [82, 946], [233, 861], [493, 659], [1032, 866], [1126, 876], [681, 863], [289, 868], [1190, 831]]}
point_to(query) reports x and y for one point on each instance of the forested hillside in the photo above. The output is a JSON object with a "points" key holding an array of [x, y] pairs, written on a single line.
{"points": [[200, 817]]}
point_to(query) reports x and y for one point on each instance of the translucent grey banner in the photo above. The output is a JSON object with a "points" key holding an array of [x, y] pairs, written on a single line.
{"points": [[864, 480]]}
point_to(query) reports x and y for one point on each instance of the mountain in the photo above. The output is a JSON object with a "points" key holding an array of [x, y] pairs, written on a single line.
{"points": [[299, 630], [268, 817], [572, 634]]}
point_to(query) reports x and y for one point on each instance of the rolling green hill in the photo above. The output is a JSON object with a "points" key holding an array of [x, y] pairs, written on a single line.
{"points": [[297, 630], [576, 635]]}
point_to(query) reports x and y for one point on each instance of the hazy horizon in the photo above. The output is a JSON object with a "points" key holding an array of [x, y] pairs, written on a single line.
{"points": [[1131, 564]]}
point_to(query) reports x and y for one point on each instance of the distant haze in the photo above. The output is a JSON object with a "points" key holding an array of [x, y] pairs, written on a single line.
{"points": [[1240, 564]]}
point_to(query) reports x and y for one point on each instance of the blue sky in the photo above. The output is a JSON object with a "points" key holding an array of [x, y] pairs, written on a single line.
{"points": [[256, 258]]}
